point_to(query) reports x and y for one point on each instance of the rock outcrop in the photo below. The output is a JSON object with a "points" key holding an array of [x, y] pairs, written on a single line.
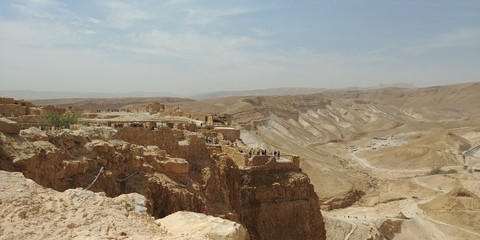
{"points": [[203, 225], [285, 202], [9, 126], [271, 205], [72, 159], [29, 211]]}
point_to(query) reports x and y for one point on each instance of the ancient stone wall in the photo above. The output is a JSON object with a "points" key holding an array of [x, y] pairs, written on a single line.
{"points": [[259, 161], [12, 110], [228, 133], [164, 138], [269, 163], [192, 147], [195, 148], [10, 107], [4, 100]]}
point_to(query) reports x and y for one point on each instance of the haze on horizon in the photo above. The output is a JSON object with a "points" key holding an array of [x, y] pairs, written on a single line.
{"points": [[187, 46]]}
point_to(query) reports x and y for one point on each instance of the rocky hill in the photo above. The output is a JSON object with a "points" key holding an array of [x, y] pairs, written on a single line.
{"points": [[368, 154], [439, 148], [459, 207], [448, 101], [173, 169], [30, 211]]}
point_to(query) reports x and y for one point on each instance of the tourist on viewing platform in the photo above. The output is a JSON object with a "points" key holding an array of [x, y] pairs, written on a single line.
{"points": [[276, 153]]}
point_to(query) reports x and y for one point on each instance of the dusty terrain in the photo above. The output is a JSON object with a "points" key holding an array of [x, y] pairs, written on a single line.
{"points": [[371, 154], [171, 165], [387, 163]]}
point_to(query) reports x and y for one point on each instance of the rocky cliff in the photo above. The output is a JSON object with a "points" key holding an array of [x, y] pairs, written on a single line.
{"points": [[99, 159], [284, 201]]}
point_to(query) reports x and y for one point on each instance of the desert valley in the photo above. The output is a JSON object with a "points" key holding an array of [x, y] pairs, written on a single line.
{"points": [[383, 163]]}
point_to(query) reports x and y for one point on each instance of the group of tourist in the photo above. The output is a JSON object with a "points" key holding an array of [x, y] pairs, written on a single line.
{"points": [[263, 152], [109, 110]]}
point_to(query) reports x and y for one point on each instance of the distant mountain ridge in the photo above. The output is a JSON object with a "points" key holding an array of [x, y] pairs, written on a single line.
{"points": [[260, 92], [41, 95], [282, 91]]}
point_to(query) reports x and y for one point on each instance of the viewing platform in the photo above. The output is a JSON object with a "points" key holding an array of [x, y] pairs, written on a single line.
{"points": [[285, 162]]}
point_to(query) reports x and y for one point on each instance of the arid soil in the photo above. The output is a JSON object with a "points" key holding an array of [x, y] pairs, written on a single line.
{"points": [[172, 169], [387, 163], [374, 154]]}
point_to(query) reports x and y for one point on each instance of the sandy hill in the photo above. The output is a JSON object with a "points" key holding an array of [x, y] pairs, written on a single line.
{"points": [[93, 104], [301, 124], [459, 207], [306, 124], [259, 92], [457, 199], [439, 101], [439, 148]]}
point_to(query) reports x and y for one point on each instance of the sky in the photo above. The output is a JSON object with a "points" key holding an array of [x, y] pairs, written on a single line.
{"points": [[189, 46]]}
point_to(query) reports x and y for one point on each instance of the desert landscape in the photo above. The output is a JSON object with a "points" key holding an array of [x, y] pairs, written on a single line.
{"points": [[384, 163], [242, 120]]}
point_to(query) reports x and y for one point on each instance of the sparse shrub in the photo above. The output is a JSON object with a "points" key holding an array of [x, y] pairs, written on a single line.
{"points": [[435, 170], [438, 170], [450, 171], [391, 200], [61, 120]]}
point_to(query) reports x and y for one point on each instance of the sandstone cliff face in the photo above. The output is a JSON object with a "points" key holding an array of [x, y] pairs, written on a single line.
{"points": [[71, 159], [285, 202], [276, 205]]}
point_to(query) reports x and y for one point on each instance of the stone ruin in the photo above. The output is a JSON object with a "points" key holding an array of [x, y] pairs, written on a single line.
{"points": [[24, 113], [10, 107], [262, 162], [155, 107]]}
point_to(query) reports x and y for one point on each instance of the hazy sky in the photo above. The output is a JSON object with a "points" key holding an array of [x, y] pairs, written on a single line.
{"points": [[187, 46]]}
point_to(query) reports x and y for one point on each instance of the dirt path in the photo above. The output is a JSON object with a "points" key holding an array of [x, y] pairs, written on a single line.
{"points": [[453, 226], [354, 226], [363, 162], [415, 212], [415, 180]]}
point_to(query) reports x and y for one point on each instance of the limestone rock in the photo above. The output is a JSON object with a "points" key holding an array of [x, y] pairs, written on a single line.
{"points": [[34, 134], [30, 211], [285, 206], [176, 165], [177, 169], [9, 126], [203, 226], [135, 201]]}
